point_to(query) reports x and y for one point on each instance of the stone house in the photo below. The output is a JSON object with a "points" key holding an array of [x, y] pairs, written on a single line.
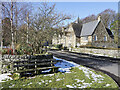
{"points": [[93, 33]]}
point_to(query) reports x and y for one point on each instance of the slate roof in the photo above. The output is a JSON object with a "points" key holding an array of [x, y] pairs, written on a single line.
{"points": [[110, 33], [77, 27], [88, 28]]}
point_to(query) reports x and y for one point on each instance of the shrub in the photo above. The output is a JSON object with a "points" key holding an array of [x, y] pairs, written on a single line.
{"points": [[16, 76], [59, 46], [25, 49], [4, 51], [65, 48], [10, 51]]}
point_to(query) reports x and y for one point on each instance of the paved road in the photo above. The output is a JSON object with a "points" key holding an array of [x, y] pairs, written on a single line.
{"points": [[110, 67]]}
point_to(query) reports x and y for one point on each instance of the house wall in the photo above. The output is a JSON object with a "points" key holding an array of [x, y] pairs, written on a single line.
{"points": [[70, 37], [100, 32], [78, 41], [84, 41], [54, 40]]}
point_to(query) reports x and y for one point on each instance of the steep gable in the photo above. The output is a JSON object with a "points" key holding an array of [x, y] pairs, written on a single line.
{"points": [[77, 27], [88, 28]]}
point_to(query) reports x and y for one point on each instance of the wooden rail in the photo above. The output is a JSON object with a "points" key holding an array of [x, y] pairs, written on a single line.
{"points": [[35, 65]]}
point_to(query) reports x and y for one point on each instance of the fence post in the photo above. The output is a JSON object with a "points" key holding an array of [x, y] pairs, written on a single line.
{"points": [[52, 66], [35, 67]]}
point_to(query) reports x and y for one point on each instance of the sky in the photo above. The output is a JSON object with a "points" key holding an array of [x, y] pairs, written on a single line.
{"points": [[82, 9]]}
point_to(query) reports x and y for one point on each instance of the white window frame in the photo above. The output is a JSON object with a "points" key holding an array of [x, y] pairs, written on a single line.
{"points": [[105, 38], [95, 37]]}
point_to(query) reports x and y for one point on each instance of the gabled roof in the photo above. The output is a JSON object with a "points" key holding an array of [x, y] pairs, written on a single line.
{"points": [[88, 28], [77, 27], [110, 33]]}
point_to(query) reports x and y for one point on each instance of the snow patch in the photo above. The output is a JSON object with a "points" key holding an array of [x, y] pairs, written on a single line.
{"points": [[5, 77], [49, 75], [69, 86], [107, 85], [12, 86], [50, 81]]}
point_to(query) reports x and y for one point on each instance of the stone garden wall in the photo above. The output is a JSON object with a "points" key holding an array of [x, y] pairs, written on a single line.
{"points": [[100, 52], [6, 61]]}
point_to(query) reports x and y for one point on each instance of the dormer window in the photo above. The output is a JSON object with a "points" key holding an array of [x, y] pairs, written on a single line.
{"points": [[105, 38], [95, 38]]}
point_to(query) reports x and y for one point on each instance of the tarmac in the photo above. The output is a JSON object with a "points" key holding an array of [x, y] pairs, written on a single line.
{"points": [[107, 65]]}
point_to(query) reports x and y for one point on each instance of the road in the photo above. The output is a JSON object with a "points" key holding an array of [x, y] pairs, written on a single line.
{"points": [[106, 65]]}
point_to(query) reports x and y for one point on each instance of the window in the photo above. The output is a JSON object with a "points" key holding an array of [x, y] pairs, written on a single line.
{"points": [[95, 38], [85, 38], [105, 38]]}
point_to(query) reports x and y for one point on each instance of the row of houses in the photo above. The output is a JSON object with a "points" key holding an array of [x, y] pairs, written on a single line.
{"points": [[93, 33]]}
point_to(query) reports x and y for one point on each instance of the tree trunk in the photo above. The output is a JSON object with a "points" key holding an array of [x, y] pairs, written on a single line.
{"points": [[12, 27], [16, 24], [27, 25]]}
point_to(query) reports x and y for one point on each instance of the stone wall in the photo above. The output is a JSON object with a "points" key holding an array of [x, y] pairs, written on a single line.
{"points": [[99, 52], [6, 61]]}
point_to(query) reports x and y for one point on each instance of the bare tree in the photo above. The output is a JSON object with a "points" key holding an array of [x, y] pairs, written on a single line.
{"points": [[12, 28], [17, 12], [44, 23], [89, 18], [108, 16]]}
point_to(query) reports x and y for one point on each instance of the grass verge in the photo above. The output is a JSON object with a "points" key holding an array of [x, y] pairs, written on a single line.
{"points": [[78, 77]]}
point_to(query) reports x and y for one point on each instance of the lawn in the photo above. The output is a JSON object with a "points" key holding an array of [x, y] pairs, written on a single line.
{"points": [[76, 77]]}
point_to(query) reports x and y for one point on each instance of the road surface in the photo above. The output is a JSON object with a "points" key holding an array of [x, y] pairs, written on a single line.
{"points": [[108, 66]]}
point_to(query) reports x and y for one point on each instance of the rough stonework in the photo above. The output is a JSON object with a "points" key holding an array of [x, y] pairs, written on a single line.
{"points": [[6, 63], [101, 32], [80, 35], [103, 52]]}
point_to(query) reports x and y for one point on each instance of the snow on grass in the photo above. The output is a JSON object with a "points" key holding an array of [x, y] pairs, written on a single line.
{"points": [[30, 83], [50, 81], [5, 77], [59, 79], [107, 85], [79, 80], [42, 81], [49, 75], [12, 86], [23, 85], [88, 72], [69, 86], [77, 73], [39, 83]]}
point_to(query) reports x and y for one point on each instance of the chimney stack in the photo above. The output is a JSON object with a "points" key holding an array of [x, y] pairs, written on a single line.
{"points": [[99, 18]]}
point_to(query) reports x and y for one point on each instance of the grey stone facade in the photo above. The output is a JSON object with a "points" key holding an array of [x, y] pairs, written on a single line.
{"points": [[101, 32], [81, 36]]}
